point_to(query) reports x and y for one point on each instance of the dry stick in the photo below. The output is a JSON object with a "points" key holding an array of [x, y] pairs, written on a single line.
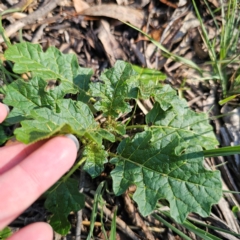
{"points": [[120, 223], [99, 224], [135, 216], [38, 34], [30, 19]]}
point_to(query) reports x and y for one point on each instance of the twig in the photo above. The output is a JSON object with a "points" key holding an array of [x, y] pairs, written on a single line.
{"points": [[30, 19], [135, 216], [99, 224], [38, 34], [19, 7]]}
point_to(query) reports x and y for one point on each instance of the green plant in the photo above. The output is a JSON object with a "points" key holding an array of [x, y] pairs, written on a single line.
{"points": [[163, 156], [228, 43], [5, 233]]}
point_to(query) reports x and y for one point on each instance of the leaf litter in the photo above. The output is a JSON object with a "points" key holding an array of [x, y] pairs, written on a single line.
{"points": [[72, 32]]}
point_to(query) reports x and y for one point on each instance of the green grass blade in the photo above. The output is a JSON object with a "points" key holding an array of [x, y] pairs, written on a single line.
{"points": [[224, 151], [113, 232], [199, 232], [205, 34], [97, 197], [191, 227], [2, 33], [212, 15], [169, 225], [215, 228], [225, 100], [172, 55], [102, 204]]}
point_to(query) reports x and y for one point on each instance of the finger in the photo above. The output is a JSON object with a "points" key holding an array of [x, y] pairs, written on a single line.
{"points": [[13, 154], [24, 183], [36, 231], [4, 110]]}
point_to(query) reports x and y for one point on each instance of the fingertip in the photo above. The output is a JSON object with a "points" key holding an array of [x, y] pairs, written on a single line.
{"points": [[34, 175], [37, 231], [74, 139], [4, 110], [6, 107]]}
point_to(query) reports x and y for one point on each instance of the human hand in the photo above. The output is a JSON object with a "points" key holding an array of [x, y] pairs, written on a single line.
{"points": [[27, 171]]}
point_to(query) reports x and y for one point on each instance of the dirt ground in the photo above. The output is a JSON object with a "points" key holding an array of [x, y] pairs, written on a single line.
{"points": [[95, 32]]}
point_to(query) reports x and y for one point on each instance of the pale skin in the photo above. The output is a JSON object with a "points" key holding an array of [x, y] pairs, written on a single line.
{"points": [[27, 171]]}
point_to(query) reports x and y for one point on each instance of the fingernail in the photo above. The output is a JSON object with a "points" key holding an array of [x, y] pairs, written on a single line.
{"points": [[7, 108], [72, 137]]}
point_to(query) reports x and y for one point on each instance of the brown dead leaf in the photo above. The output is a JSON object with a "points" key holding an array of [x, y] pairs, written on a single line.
{"points": [[138, 4], [122, 2], [122, 13], [215, 3], [80, 5], [182, 3], [190, 21], [111, 45]]}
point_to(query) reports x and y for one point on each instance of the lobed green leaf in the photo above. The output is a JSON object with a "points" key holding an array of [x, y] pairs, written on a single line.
{"points": [[114, 90], [48, 65], [164, 171], [171, 116], [25, 96], [70, 117], [63, 198], [147, 81]]}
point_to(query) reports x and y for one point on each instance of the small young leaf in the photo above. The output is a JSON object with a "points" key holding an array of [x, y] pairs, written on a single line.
{"points": [[159, 173], [147, 81], [96, 157], [149, 74], [164, 97], [62, 198], [106, 135], [114, 90], [116, 127], [124, 81]]}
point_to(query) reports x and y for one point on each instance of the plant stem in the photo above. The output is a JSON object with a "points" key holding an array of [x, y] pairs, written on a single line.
{"points": [[136, 126], [112, 154], [74, 168], [135, 108], [2, 32]]}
